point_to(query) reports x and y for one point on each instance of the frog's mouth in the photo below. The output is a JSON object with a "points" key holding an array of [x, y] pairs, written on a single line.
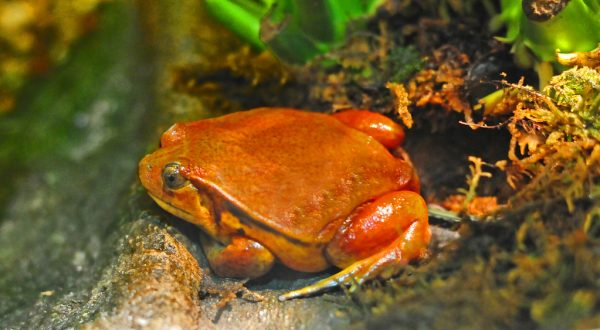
{"points": [[173, 209]]}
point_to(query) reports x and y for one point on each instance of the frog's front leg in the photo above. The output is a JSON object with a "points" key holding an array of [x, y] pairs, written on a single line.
{"points": [[241, 257], [379, 236]]}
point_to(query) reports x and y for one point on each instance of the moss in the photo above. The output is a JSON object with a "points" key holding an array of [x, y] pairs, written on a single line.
{"points": [[555, 145], [523, 272], [537, 263], [404, 62]]}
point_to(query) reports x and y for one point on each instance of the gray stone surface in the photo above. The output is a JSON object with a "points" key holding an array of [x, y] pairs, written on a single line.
{"points": [[81, 244]]}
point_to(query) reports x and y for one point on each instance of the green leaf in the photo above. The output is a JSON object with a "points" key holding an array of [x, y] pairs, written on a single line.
{"points": [[242, 17], [576, 28], [294, 30]]}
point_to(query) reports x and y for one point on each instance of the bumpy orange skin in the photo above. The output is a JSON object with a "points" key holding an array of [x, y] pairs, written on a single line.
{"points": [[309, 190]]}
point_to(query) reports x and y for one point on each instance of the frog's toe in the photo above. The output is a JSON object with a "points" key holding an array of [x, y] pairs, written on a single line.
{"points": [[342, 278]]}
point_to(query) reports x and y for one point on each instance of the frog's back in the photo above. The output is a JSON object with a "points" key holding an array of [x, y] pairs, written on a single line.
{"points": [[292, 171]]}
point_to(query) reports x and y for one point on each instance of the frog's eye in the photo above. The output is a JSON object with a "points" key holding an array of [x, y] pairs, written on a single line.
{"points": [[172, 178]]}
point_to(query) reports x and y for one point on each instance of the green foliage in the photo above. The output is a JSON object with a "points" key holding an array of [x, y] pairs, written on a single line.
{"points": [[574, 29], [242, 17], [294, 30]]}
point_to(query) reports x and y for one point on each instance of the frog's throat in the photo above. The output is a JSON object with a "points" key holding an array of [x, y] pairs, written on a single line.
{"points": [[173, 210]]}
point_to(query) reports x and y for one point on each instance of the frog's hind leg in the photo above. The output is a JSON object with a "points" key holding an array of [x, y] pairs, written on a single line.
{"points": [[381, 128], [386, 131], [378, 237]]}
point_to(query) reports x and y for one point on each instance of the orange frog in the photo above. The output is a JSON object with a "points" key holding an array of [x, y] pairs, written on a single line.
{"points": [[307, 189]]}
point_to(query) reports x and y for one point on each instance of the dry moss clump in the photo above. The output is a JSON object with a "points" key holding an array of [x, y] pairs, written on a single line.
{"points": [[442, 83], [555, 145], [538, 263]]}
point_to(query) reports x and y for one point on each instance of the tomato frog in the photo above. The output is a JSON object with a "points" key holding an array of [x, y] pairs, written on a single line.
{"points": [[308, 190]]}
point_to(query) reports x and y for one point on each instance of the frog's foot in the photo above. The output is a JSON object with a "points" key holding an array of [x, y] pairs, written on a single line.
{"points": [[241, 258], [377, 238], [355, 274]]}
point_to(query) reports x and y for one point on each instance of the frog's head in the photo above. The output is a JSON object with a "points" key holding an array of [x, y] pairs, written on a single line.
{"points": [[166, 174]]}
